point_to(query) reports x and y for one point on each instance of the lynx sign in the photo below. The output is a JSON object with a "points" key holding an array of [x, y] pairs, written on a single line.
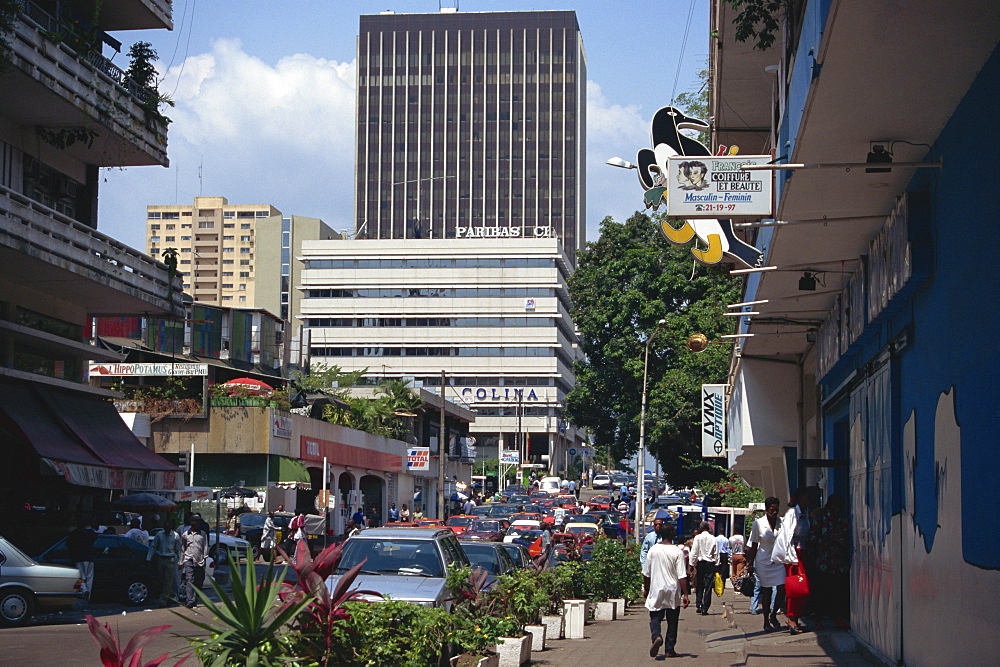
{"points": [[713, 420]]}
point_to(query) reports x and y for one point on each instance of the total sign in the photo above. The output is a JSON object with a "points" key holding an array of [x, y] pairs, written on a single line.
{"points": [[418, 459]]}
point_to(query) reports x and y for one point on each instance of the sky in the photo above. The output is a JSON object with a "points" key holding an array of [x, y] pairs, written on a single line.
{"points": [[264, 101]]}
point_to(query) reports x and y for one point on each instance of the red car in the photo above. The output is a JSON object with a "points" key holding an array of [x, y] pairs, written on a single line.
{"points": [[460, 523], [600, 503], [488, 530]]}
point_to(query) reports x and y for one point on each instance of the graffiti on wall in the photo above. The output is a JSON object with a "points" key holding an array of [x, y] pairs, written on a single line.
{"points": [[939, 582]]}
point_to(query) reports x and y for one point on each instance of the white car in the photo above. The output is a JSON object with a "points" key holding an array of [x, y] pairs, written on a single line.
{"points": [[601, 481], [240, 548]]}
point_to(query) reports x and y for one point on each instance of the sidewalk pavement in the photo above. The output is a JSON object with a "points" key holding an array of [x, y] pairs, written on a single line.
{"points": [[728, 636]]}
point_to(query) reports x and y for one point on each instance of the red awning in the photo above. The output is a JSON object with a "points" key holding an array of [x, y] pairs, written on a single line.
{"points": [[82, 438]]}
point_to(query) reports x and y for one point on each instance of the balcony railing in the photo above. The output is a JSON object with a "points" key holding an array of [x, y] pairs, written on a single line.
{"points": [[89, 251], [53, 27]]}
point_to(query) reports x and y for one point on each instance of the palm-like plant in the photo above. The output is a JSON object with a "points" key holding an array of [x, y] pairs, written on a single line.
{"points": [[316, 626], [114, 655], [249, 628]]}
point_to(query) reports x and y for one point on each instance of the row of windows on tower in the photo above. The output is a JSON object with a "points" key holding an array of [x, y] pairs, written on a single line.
{"points": [[433, 351], [456, 115], [176, 215], [409, 292], [541, 54], [430, 322], [433, 263], [375, 80]]}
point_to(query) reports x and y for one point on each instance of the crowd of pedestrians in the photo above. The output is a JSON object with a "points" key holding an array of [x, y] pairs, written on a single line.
{"points": [[797, 565]]}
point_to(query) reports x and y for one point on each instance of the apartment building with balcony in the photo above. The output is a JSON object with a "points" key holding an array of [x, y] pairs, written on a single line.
{"points": [[65, 112], [239, 255]]}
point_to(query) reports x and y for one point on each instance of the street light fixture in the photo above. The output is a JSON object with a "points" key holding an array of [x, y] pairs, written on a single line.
{"points": [[619, 162], [640, 490]]}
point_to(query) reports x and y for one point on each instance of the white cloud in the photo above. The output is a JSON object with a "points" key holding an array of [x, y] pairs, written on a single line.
{"points": [[302, 102], [251, 132]]}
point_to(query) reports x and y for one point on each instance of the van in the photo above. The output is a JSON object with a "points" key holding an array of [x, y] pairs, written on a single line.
{"points": [[549, 485]]}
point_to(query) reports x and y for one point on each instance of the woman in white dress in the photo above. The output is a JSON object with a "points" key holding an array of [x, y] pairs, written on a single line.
{"points": [[760, 545]]}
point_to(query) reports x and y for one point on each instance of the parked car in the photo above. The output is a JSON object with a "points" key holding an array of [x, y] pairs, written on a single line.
{"points": [[582, 530], [600, 502], [518, 554], [601, 481], [28, 587], [410, 564], [549, 485], [514, 490], [490, 556], [490, 530], [120, 567], [460, 523]]}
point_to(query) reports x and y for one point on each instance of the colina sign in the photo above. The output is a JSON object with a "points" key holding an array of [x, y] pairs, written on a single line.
{"points": [[498, 394]]}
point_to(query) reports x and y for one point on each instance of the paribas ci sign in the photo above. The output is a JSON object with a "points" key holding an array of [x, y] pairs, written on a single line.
{"points": [[504, 232]]}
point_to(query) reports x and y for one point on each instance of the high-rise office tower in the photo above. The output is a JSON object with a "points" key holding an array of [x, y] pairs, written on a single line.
{"points": [[471, 125]]}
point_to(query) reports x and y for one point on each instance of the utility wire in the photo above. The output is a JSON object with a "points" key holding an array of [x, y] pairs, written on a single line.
{"points": [[187, 48], [680, 58]]}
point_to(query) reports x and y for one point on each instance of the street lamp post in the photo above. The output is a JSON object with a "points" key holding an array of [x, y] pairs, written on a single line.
{"points": [[640, 506]]}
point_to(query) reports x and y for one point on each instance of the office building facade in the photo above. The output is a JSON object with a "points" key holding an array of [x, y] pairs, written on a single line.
{"points": [[493, 314], [470, 126]]}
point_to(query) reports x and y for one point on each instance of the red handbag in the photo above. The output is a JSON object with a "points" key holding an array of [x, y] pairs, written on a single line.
{"points": [[796, 582]]}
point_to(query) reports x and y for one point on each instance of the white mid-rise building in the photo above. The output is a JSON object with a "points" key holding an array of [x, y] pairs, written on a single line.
{"points": [[492, 313]]}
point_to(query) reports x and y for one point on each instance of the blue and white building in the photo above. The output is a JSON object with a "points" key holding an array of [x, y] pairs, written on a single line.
{"points": [[871, 371]]}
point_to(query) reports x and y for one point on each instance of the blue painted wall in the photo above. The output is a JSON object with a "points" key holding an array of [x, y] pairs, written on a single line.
{"points": [[956, 340]]}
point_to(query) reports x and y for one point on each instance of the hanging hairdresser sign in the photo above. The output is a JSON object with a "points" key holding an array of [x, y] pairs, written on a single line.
{"points": [[702, 186]]}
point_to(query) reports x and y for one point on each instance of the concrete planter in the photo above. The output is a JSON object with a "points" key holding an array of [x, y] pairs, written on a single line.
{"points": [[514, 651], [538, 633], [554, 625], [604, 611], [619, 607], [486, 661], [575, 616]]}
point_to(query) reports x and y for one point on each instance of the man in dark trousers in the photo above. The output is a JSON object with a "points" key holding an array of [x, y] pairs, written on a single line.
{"points": [[705, 561], [194, 551], [664, 579], [80, 544]]}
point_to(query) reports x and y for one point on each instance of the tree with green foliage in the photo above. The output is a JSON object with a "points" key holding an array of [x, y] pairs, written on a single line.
{"points": [[626, 282]]}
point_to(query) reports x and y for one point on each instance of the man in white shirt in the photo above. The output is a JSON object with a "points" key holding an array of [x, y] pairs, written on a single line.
{"points": [[136, 533], [665, 585], [705, 561]]}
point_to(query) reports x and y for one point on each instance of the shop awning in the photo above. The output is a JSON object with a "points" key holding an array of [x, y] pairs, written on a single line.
{"points": [[82, 438], [289, 473]]}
